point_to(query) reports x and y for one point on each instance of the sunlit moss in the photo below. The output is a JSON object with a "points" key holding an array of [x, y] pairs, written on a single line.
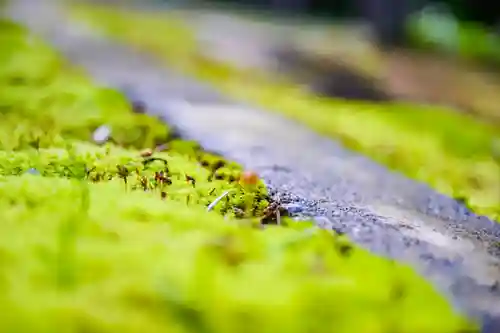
{"points": [[44, 116], [168, 175], [130, 262]]}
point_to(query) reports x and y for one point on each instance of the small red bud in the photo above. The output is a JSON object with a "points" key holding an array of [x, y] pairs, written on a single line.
{"points": [[249, 178]]}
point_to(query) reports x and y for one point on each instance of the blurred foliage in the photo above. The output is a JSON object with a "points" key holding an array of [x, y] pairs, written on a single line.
{"points": [[465, 10], [461, 27], [29, 68], [436, 28]]}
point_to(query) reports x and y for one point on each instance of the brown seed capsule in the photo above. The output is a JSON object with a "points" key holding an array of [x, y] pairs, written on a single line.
{"points": [[147, 153], [191, 180], [217, 165]]}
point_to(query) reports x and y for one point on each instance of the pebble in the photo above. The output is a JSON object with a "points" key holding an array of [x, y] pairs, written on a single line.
{"points": [[101, 134], [293, 208], [33, 171], [322, 222]]}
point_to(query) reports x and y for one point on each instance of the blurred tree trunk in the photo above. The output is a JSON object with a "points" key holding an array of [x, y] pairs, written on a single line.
{"points": [[296, 6], [486, 12], [388, 19]]}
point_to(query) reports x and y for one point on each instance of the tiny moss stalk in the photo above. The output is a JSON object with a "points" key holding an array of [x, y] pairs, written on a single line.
{"points": [[249, 198]]}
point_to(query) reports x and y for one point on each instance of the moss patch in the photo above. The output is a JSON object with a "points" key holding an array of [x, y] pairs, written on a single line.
{"points": [[452, 152], [98, 258], [89, 242], [49, 109]]}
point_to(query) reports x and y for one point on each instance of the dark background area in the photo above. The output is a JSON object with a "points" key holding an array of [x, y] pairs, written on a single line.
{"points": [[481, 11], [387, 17]]}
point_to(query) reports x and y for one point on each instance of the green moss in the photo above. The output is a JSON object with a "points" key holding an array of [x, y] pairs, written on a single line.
{"points": [[88, 242], [450, 151], [48, 107], [470, 40], [96, 257], [167, 175]]}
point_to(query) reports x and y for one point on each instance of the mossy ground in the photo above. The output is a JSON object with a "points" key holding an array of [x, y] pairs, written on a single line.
{"points": [[89, 243], [450, 151]]}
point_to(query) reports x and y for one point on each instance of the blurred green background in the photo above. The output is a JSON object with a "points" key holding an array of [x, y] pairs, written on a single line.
{"points": [[468, 28]]}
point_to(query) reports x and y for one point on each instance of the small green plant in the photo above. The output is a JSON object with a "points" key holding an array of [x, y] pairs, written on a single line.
{"points": [[249, 181]]}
